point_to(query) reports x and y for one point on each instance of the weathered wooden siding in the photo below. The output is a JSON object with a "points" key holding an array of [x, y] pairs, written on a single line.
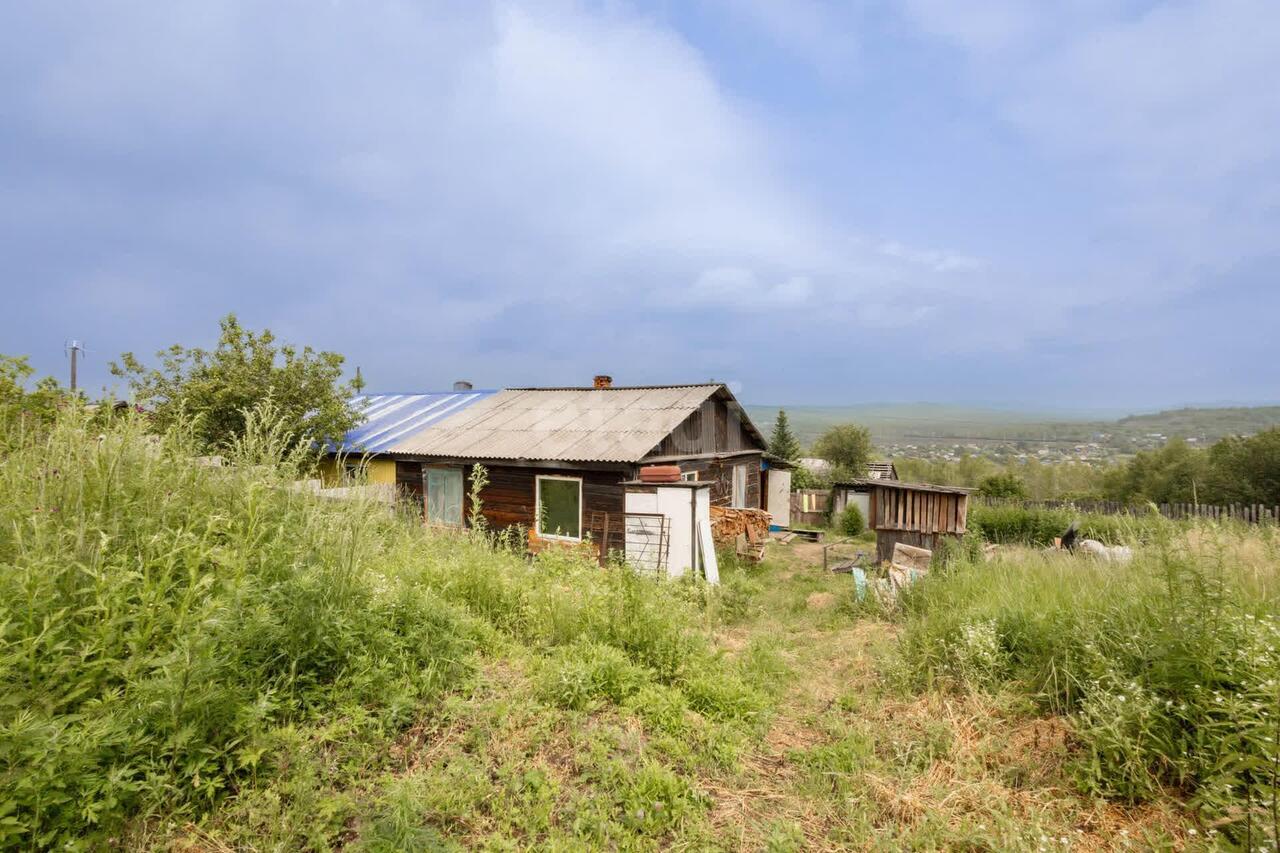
{"points": [[713, 428], [919, 517], [719, 473], [885, 540], [409, 483], [918, 511], [510, 497]]}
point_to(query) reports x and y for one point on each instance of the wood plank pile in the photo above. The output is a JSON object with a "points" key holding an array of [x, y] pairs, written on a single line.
{"points": [[728, 523]]}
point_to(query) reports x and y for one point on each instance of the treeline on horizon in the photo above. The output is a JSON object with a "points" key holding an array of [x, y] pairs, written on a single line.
{"points": [[1234, 470]]}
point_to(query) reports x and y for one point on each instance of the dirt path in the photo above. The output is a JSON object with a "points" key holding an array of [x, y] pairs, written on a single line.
{"points": [[853, 760]]}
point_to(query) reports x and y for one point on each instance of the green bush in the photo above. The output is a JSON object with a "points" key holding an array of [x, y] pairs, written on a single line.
{"points": [[1015, 524], [851, 521], [1169, 666]]}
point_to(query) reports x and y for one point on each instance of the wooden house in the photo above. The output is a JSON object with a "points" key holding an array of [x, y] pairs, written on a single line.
{"points": [[556, 459], [911, 513]]}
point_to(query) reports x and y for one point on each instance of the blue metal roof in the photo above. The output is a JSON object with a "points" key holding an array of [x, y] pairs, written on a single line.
{"points": [[388, 418]]}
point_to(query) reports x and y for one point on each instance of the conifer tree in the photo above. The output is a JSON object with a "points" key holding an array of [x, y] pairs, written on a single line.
{"points": [[783, 443]]}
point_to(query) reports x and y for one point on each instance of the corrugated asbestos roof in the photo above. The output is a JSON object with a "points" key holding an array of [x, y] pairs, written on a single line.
{"points": [[561, 424], [390, 418]]}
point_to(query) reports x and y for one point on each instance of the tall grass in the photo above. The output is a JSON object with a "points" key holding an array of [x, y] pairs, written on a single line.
{"points": [[156, 616], [1169, 666], [164, 626], [1013, 524]]}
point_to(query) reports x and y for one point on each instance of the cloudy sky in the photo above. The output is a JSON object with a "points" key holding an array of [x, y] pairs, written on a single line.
{"points": [[1018, 202]]}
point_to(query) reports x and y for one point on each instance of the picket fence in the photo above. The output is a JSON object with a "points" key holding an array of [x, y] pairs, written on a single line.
{"points": [[809, 507]]}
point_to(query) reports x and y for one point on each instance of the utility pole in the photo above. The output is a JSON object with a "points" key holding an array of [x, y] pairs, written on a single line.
{"points": [[74, 348]]}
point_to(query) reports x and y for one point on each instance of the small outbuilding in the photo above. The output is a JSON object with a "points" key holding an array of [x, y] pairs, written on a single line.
{"points": [[918, 514]]}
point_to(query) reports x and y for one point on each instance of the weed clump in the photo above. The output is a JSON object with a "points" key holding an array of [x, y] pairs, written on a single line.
{"points": [[1169, 667]]}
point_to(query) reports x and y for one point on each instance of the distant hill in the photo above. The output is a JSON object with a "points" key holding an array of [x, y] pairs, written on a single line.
{"points": [[1208, 423], [927, 424]]}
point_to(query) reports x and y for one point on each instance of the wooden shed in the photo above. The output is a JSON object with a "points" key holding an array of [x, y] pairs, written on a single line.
{"points": [[913, 513]]}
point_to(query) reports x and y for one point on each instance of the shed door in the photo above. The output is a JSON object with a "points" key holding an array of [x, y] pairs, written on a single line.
{"points": [[444, 496]]}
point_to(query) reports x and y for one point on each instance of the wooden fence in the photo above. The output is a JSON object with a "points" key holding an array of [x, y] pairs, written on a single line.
{"points": [[809, 507], [1248, 513]]}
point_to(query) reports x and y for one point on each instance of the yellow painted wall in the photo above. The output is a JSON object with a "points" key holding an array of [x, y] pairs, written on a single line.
{"points": [[380, 471]]}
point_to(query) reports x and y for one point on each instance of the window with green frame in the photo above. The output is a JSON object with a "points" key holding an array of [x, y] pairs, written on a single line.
{"points": [[560, 507]]}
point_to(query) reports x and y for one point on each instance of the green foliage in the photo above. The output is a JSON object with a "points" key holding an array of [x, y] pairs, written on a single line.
{"points": [[783, 443], [1005, 485], [172, 634], [1176, 473], [478, 480], [14, 372], [851, 522], [1169, 666], [848, 448], [1246, 470], [159, 619], [34, 409], [583, 673], [1015, 524], [1234, 470], [214, 389], [804, 478], [1040, 481]]}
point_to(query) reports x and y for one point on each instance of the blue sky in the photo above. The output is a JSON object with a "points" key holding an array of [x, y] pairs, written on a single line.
{"points": [[1029, 204]]}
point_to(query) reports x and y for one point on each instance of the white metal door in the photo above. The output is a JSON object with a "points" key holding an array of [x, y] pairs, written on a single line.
{"points": [[779, 500]]}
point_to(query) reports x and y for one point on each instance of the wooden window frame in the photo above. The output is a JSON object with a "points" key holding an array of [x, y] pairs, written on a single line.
{"points": [[537, 507], [426, 495]]}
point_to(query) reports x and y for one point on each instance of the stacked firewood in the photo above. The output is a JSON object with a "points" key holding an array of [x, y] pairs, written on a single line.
{"points": [[728, 523]]}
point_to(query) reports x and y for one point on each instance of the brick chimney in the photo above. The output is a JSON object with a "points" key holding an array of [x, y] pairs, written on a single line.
{"points": [[602, 381]]}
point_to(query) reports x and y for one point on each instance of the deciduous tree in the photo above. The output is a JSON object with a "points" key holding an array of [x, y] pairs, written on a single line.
{"points": [[216, 387], [848, 448]]}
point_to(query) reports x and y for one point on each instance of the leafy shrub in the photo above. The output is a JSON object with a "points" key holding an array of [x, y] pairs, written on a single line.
{"points": [[851, 521]]}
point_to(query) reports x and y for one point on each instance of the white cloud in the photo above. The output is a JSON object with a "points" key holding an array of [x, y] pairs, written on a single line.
{"points": [[1168, 112], [738, 289]]}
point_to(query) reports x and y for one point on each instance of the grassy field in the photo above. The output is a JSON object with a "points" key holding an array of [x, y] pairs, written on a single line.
{"points": [[206, 659]]}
